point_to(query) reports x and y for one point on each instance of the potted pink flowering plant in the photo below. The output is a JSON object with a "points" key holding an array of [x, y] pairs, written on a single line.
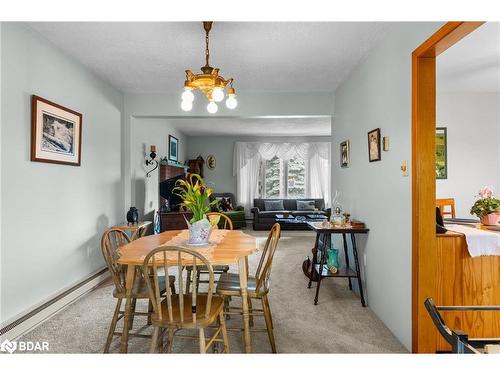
{"points": [[487, 207]]}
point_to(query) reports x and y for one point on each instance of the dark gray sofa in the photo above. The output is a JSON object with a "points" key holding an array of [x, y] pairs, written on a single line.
{"points": [[264, 220]]}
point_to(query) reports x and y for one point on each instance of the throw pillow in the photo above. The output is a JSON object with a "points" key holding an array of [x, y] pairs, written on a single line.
{"points": [[225, 204], [274, 205], [305, 206]]}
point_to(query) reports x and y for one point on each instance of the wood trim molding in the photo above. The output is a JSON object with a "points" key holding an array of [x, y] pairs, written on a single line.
{"points": [[424, 241]]}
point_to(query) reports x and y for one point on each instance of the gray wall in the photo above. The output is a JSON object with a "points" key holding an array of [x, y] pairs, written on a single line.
{"points": [[473, 122], [146, 132], [53, 215], [223, 148], [377, 93]]}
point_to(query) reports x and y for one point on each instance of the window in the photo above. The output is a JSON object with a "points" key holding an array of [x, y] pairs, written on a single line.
{"points": [[283, 179]]}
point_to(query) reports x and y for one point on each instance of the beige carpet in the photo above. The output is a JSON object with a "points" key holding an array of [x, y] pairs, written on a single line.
{"points": [[338, 324]]}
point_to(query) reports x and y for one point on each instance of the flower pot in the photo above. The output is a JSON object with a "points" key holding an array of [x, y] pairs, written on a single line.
{"points": [[491, 219], [199, 232]]}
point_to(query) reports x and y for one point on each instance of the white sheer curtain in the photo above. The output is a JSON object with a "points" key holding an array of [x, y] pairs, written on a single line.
{"points": [[248, 156]]}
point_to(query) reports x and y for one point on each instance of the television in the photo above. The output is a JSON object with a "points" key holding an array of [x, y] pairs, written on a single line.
{"points": [[166, 191]]}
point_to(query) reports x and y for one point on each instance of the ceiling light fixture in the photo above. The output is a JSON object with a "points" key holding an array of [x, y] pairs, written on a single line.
{"points": [[209, 82]]}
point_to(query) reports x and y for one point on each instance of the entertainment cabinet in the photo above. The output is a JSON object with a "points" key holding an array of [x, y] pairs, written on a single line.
{"points": [[172, 220]]}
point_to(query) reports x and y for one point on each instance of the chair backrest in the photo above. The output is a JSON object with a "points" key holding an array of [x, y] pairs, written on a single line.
{"points": [[266, 260], [111, 241], [442, 203], [456, 342], [141, 231], [168, 260], [224, 222]]}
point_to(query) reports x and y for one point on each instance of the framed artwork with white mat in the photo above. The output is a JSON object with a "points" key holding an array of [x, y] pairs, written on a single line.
{"points": [[56, 133]]}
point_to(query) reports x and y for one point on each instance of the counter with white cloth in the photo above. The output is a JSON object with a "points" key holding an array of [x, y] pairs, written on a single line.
{"points": [[480, 240]]}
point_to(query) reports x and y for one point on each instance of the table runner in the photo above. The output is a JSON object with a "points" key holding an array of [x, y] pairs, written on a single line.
{"points": [[479, 241], [181, 239]]}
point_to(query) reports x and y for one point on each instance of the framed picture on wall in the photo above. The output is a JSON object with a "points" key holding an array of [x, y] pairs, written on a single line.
{"points": [[173, 148], [56, 133], [441, 154], [344, 154], [374, 145]]}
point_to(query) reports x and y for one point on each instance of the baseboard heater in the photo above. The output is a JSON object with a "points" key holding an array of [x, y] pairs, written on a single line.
{"points": [[98, 274]]}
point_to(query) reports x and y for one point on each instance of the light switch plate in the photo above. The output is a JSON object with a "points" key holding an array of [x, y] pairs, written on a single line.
{"points": [[404, 168]]}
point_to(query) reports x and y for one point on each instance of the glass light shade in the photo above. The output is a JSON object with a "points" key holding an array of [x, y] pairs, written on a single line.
{"points": [[187, 95], [212, 107], [231, 102], [186, 105], [218, 94]]}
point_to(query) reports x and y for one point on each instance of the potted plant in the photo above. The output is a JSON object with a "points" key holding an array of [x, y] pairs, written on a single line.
{"points": [[487, 207], [196, 198]]}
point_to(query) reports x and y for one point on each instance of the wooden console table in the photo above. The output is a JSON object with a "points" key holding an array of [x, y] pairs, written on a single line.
{"points": [[323, 242], [174, 220]]}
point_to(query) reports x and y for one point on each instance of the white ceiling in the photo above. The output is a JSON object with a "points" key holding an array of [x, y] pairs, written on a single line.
{"points": [[473, 64], [256, 127], [261, 56]]}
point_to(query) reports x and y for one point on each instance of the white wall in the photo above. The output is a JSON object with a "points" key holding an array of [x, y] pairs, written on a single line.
{"points": [[144, 133], [377, 94], [223, 148], [473, 122], [53, 215]]}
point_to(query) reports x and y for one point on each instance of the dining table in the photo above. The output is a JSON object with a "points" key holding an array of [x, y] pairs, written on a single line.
{"points": [[231, 247]]}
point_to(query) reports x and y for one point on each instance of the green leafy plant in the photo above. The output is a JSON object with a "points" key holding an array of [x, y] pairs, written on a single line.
{"points": [[195, 196], [486, 204]]}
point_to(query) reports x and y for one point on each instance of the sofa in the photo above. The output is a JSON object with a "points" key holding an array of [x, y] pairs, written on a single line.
{"points": [[264, 219], [236, 214]]}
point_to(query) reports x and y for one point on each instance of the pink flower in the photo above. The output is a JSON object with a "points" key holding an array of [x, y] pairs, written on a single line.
{"points": [[485, 192]]}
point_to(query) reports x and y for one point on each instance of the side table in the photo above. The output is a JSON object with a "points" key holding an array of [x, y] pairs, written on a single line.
{"points": [[319, 270]]}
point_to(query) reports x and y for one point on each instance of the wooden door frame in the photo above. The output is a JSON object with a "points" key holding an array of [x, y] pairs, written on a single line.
{"points": [[424, 243]]}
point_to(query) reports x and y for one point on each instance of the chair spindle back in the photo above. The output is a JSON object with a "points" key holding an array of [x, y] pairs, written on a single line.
{"points": [[165, 260], [226, 220], [111, 241], [264, 268]]}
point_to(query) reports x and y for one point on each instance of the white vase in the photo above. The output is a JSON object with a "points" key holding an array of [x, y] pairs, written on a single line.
{"points": [[199, 232]]}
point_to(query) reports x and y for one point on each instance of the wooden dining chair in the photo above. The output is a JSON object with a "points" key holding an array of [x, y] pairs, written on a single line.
{"points": [[111, 241], [187, 309], [258, 285], [141, 230], [224, 222], [446, 203]]}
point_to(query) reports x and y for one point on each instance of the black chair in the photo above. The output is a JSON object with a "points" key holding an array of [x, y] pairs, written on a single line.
{"points": [[459, 340]]}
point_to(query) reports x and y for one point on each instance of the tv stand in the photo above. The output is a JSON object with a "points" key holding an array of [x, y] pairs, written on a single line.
{"points": [[174, 220]]}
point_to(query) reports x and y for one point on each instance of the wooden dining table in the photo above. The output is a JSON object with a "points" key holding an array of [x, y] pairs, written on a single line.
{"points": [[234, 248]]}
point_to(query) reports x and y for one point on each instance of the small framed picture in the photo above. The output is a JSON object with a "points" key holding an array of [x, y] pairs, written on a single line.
{"points": [[344, 154], [441, 154], [374, 145], [211, 162], [56, 133], [173, 148]]}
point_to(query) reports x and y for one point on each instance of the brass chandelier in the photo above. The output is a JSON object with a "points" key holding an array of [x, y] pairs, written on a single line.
{"points": [[209, 82]]}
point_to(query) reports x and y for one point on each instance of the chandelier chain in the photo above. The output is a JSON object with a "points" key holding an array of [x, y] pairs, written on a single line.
{"points": [[207, 51]]}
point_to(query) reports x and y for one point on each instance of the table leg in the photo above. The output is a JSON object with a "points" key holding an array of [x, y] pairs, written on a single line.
{"points": [[242, 264], [129, 283], [314, 260], [358, 271], [320, 269], [346, 258]]}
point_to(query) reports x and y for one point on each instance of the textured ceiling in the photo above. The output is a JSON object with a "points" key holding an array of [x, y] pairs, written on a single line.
{"points": [[473, 64], [261, 56], [289, 126]]}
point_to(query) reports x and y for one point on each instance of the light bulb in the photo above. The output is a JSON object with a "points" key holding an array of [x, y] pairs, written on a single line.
{"points": [[187, 95], [231, 102], [186, 105], [212, 107], [218, 94]]}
